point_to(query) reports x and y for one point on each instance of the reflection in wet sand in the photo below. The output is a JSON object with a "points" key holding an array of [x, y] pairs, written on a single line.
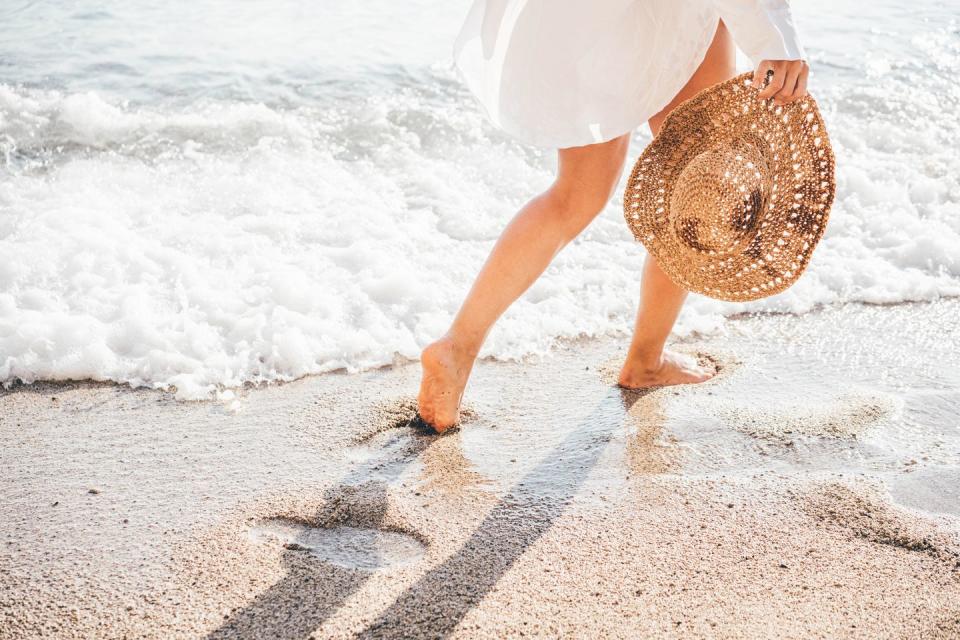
{"points": [[648, 450], [446, 470]]}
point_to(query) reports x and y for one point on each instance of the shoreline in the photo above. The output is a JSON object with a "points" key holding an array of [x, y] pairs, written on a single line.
{"points": [[804, 493], [560, 344]]}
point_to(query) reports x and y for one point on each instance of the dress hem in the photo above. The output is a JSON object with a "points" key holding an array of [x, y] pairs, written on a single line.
{"points": [[588, 139]]}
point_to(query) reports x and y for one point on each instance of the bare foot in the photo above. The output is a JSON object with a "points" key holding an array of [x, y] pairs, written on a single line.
{"points": [[445, 371], [673, 368]]}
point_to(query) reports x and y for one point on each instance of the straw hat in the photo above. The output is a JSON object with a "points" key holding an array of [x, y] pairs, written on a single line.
{"points": [[733, 194]]}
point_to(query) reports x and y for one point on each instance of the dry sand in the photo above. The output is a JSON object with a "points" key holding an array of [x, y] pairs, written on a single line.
{"points": [[808, 492]]}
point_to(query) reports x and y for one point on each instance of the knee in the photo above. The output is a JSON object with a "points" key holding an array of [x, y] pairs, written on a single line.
{"points": [[576, 205], [586, 180]]}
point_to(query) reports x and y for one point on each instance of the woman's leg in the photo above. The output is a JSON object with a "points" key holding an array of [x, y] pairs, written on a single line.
{"points": [[647, 364], [586, 178]]}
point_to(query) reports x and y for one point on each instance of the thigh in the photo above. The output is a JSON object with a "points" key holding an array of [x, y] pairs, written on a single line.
{"points": [[591, 172], [718, 64]]}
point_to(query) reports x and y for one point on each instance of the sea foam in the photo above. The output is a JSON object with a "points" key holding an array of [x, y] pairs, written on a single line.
{"points": [[207, 244]]}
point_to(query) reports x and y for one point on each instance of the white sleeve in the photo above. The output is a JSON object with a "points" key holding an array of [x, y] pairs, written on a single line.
{"points": [[763, 29]]}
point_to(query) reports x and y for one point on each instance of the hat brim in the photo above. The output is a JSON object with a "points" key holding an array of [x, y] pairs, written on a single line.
{"points": [[799, 174]]}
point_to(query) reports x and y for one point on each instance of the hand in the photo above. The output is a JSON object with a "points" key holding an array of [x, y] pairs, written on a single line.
{"points": [[788, 83]]}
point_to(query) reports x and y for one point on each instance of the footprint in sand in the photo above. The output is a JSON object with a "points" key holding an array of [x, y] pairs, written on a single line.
{"points": [[350, 529], [399, 414], [343, 545], [866, 514], [848, 415]]}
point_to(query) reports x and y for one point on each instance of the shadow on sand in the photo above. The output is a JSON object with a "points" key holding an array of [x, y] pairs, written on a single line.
{"points": [[432, 607]]}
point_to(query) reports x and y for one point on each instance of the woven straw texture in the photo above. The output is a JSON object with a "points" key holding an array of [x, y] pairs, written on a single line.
{"points": [[734, 193]]}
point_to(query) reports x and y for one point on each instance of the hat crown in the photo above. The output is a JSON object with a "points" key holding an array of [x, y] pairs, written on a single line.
{"points": [[733, 193], [719, 197]]}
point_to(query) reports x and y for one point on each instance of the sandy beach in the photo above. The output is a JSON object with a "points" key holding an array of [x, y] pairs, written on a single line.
{"points": [[228, 230], [808, 492]]}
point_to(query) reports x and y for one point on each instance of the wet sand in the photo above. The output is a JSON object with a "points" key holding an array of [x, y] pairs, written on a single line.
{"points": [[809, 491]]}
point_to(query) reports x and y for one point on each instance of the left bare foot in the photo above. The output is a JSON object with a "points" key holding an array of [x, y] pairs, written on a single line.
{"points": [[672, 368]]}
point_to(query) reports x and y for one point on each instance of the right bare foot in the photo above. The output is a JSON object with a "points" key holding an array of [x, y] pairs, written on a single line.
{"points": [[669, 369], [446, 368]]}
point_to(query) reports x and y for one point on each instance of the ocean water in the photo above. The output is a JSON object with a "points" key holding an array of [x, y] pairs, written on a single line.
{"points": [[199, 195]]}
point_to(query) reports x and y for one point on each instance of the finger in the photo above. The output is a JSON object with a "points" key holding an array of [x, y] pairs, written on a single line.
{"points": [[776, 83], [786, 92], [761, 72], [802, 82]]}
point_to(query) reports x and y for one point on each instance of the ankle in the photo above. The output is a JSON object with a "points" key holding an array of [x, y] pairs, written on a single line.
{"points": [[465, 346], [645, 358]]}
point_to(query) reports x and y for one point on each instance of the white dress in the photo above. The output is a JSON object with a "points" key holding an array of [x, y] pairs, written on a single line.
{"points": [[565, 73]]}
